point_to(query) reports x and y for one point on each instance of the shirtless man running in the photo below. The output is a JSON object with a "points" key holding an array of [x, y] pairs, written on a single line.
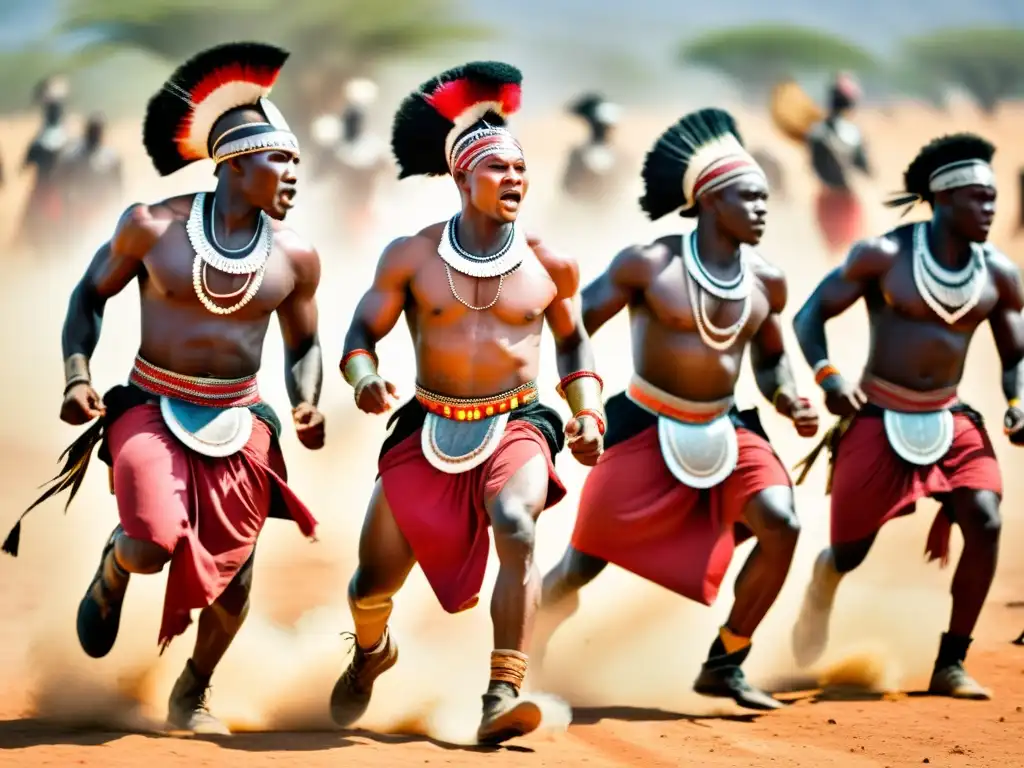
{"points": [[903, 433], [474, 447], [686, 476], [196, 466]]}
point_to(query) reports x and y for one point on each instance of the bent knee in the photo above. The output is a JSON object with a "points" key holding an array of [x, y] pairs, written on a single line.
{"points": [[978, 514], [773, 519], [140, 556], [513, 525], [578, 568]]}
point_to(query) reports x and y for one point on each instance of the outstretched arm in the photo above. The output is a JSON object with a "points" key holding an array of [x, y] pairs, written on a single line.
{"points": [[1008, 333], [298, 317], [376, 314], [580, 385], [768, 358], [114, 265]]}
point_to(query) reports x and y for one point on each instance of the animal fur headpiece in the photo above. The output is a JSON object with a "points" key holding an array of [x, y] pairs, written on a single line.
{"points": [[595, 109], [701, 153], [949, 162], [180, 118], [454, 120]]}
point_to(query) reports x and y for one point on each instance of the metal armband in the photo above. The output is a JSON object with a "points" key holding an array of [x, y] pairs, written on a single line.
{"points": [[357, 365]]}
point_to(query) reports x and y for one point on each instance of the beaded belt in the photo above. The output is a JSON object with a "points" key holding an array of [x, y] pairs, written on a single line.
{"points": [[473, 408], [894, 397], [198, 390], [658, 401]]}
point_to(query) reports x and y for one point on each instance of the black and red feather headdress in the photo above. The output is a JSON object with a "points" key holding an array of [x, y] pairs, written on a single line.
{"points": [[180, 118], [456, 118]]}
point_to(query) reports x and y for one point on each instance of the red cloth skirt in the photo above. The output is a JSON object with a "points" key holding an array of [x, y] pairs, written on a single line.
{"points": [[634, 512], [207, 512], [443, 516], [840, 217], [871, 484]]}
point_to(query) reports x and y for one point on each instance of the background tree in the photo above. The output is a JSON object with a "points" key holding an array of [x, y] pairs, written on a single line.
{"points": [[987, 63], [757, 57], [329, 41]]}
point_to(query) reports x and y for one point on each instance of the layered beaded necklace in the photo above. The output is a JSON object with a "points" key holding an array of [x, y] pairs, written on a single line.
{"points": [[700, 283], [504, 262], [950, 294], [253, 264]]}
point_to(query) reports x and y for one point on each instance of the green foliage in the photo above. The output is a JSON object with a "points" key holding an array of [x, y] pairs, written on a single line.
{"points": [[758, 56], [21, 69], [359, 32], [987, 63], [329, 40]]}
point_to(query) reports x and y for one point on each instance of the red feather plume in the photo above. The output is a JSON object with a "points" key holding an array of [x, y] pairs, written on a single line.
{"points": [[456, 97]]}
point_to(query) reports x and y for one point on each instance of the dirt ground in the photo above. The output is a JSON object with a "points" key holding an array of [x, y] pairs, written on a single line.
{"points": [[625, 663]]}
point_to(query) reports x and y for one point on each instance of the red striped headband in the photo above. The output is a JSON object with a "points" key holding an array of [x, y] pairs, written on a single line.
{"points": [[474, 147], [724, 171]]}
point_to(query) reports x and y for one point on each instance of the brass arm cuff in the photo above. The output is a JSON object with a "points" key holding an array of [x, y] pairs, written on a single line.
{"points": [[582, 391], [76, 370], [357, 365]]}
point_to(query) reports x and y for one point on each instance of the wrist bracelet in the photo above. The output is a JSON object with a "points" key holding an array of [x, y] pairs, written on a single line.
{"points": [[74, 381], [595, 415]]}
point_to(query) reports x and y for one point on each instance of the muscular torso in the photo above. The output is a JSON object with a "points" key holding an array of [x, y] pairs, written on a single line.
{"points": [[667, 348], [178, 332], [466, 353], [910, 345]]}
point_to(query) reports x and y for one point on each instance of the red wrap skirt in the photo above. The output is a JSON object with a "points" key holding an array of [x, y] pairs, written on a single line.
{"points": [[871, 484], [635, 513], [444, 516]]}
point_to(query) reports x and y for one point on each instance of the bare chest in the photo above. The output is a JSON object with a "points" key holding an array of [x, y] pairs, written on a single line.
{"points": [[443, 296], [676, 302], [905, 295], [175, 276]]}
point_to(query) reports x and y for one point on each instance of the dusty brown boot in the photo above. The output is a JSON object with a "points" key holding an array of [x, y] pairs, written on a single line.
{"points": [[949, 677], [187, 707], [506, 716], [99, 612], [351, 694]]}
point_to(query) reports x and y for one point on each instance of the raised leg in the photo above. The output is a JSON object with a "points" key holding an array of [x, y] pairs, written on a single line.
{"points": [[385, 560], [810, 633], [772, 518], [99, 612], [560, 597], [977, 514]]}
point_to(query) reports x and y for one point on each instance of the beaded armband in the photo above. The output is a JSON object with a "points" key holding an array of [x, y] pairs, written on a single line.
{"points": [[823, 370]]}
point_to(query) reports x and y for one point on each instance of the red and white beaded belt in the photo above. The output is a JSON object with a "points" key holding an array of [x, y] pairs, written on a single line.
{"points": [[198, 390]]}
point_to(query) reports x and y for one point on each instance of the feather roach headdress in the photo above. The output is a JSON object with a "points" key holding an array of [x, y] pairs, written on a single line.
{"points": [[595, 109], [701, 153], [181, 117], [949, 162], [456, 119]]}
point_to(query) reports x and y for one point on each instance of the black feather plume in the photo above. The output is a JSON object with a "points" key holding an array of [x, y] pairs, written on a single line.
{"points": [[666, 163]]}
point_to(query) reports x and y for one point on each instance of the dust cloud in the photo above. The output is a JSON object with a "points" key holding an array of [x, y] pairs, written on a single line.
{"points": [[631, 644]]}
